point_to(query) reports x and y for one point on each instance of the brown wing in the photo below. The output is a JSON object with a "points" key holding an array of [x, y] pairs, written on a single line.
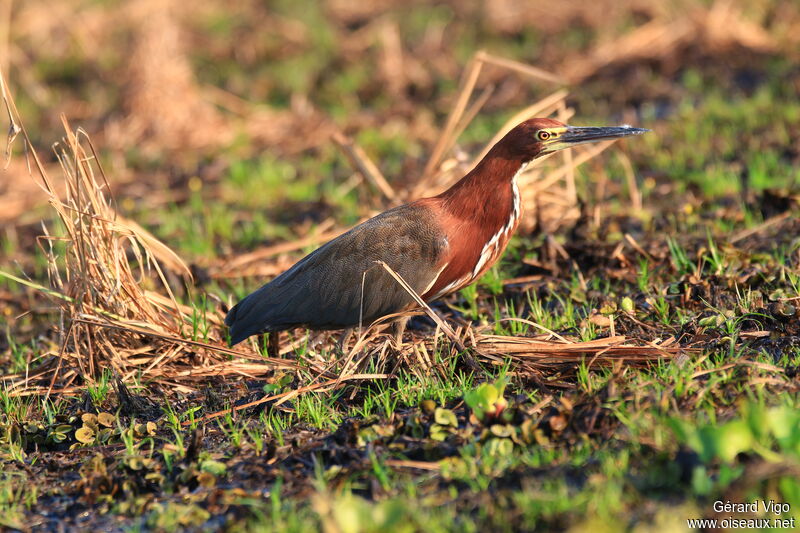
{"points": [[340, 284]]}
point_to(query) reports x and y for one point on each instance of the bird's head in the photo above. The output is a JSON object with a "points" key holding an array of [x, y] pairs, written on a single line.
{"points": [[540, 136]]}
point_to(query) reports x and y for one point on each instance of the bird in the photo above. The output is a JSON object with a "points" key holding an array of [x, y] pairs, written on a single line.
{"points": [[438, 244]]}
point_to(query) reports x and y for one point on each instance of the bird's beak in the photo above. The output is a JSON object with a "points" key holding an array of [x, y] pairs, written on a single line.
{"points": [[573, 135]]}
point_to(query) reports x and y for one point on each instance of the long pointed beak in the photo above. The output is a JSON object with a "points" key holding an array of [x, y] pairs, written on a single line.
{"points": [[578, 135]]}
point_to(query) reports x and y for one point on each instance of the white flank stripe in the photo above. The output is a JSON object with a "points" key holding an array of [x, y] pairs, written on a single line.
{"points": [[452, 286]]}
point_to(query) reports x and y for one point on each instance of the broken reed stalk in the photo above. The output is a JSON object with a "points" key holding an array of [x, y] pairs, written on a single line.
{"points": [[359, 159], [444, 326], [468, 81], [546, 352]]}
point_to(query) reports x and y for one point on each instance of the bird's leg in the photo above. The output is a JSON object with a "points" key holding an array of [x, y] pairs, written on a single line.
{"points": [[273, 344], [341, 344], [399, 327]]}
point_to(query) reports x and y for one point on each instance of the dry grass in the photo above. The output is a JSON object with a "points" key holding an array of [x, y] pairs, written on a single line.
{"points": [[720, 29]]}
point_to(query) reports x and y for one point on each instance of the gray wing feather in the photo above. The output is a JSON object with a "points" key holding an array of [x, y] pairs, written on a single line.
{"points": [[340, 284]]}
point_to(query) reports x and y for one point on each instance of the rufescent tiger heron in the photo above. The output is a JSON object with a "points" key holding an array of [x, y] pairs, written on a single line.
{"points": [[438, 245]]}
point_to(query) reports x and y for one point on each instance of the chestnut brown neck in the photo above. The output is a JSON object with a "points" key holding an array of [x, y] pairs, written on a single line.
{"points": [[485, 194]]}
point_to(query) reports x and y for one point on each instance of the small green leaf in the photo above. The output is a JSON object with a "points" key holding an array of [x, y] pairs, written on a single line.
{"points": [[527, 431], [144, 430], [701, 481], [707, 443], [213, 467], [57, 437], [366, 435], [627, 305], [59, 433], [608, 309], [502, 430], [445, 417], [104, 435], [733, 438], [155, 477], [427, 406], [782, 422], [33, 427], [439, 433], [332, 471], [134, 462], [711, 321], [206, 480], [487, 400], [499, 447]]}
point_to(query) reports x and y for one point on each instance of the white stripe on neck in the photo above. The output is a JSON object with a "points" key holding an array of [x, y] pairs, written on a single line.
{"points": [[491, 248]]}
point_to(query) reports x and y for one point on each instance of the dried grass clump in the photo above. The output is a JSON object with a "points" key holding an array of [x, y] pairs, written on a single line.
{"points": [[117, 310]]}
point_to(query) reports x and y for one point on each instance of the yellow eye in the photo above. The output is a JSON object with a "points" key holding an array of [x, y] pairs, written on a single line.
{"points": [[543, 135]]}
